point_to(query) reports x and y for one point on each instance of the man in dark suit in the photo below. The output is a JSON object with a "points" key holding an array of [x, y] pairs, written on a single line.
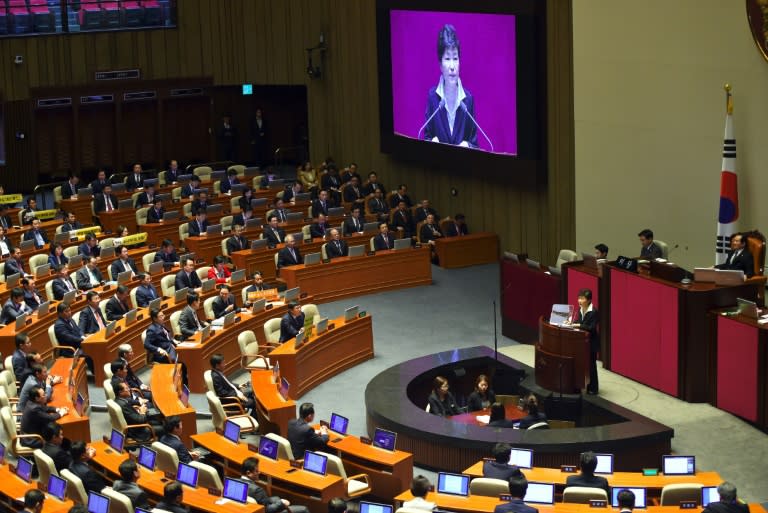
{"points": [[89, 276], [187, 277], [29, 213], [189, 322], [188, 191], [71, 223], [145, 292], [518, 485], [258, 285], [91, 318], [354, 194], [458, 227], [225, 303], [201, 203], [378, 207], [70, 188], [739, 258], [156, 211], [97, 186], [6, 223], [318, 229], [14, 265], [135, 180], [56, 446], [146, 198], [587, 319], [244, 215], [384, 240], [280, 211], [373, 185], [36, 417], [199, 225], [90, 247], [173, 495], [123, 263], [129, 473], [63, 283], [500, 467], [331, 182], [31, 296], [106, 201], [81, 455], [172, 438], [21, 366], [172, 173], [321, 204], [259, 138], [224, 388], [354, 223], [237, 242], [133, 413], [424, 210], [118, 306], [301, 434], [402, 218], [226, 184], [429, 231], [401, 195], [292, 322], [587, 477], [648, 250], [336, 247], [6, 246], [167, 254], [289, 195], [158, 340], [729, 501], [37, 234], [290, 254], [274, 234], [625, 499], [14, 307], [124, 355], [66, 331], [273, 504]]}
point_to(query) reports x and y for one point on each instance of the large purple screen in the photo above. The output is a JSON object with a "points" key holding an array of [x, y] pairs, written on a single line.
{"points": [[486, 69]]}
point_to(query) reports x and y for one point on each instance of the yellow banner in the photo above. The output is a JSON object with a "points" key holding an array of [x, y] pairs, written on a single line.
{"points": [[10, 198], [82, 232], [136, 238], [44, 215]]}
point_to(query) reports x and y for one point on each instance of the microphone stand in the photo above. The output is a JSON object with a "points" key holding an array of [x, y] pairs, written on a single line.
{"points": [[466, 111], [439, 106]]}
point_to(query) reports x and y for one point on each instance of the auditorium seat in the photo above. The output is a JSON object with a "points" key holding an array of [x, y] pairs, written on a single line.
{"points": [[220, 415], [141, 216], [311, 312], [118, 422], [75, 488], [664, 248], [11, 438], [69, 252], [38, 260], [167, 459], [118, 502], [42, 17], [147, 259], [272, 330], [583, 494], [566, 255], [45, 466], [168, 285], [55, 343], [356, 485], [488, 487], [133, 15], [673, 494], [20, 22], [250, 358], [153, 14], [108, 370], [90, 15], [226, 223], [109, 392], [208, 307]]}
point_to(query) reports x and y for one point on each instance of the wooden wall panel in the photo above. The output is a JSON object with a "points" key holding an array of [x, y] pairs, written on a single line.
{"points": [[96, 134]]}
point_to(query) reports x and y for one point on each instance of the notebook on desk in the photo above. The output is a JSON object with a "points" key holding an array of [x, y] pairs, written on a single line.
{"points": [[523, 458], [147, 458], [98, 503], [57, 487], [235, 490], [373, 507]]}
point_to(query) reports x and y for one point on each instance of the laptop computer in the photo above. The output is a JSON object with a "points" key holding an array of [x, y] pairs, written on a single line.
{"points": [[213, 210], [401, 244], [709, 494], [522, 458], [453, 484], [214, 229], [61, 238], [69, 296], [540, 493], [284, 388], [374, 507], [42, 270], [336, 212], [187, 474], [259, 244], [232, 432], [124, 277], [147, 458], [291, 294], [166, 196], [13, 280], [171, 215], [180, 295], [44, 308], [604, 464], [258, 203], [258, 306], [238, 188], [110, 329], [384, 439], [85, 192], [155, 303], [130, 316], [293, 217], [218, 175], [253, 223], [208, 285], [75, 261], [150, 181], [235, 490], [356, 251], [184, 178], [57, 487], [118, 187], [107, 252], [237, 276], [116, 441], [316, 463], [21, 322], [24, 469], [125, 204], [322, 326], [338, 424], [679, 465], [268, 448], [205, 333], [98, 503], [156, 267], [312, 259], [351, 313], [640, 495], [297, 343]]}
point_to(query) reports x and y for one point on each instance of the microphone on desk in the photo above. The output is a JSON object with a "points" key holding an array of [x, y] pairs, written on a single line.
{"points": [[466, 110], [439, 106]]}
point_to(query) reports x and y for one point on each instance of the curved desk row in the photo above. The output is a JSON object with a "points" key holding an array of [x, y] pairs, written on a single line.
{"points": [[12, 488], [74, 382]]}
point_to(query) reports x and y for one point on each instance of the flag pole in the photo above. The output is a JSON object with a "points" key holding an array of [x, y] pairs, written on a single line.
{"points": [[729, 191]]}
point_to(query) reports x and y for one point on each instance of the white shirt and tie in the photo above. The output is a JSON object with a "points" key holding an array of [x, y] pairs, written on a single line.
{"points": [[108, 203], [94, 280]]}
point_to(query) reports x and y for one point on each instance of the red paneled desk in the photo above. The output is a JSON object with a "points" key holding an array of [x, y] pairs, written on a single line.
{"points": [[526, 295], [657, 330]]}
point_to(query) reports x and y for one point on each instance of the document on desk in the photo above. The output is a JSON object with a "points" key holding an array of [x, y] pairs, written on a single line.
{"points": [[186, 344], [485, 419], [762, 321]]}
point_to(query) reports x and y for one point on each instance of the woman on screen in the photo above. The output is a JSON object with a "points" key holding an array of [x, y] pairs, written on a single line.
{"points": [[441, 401], [450, 107]]}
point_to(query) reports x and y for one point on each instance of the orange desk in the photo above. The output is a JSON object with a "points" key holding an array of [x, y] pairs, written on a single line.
{"points": [[347, 277], [81, 207], [472, 249], [298, 486], [165, 394], [273, 411], [158, 232], [13, 488], [76, 427], [109, 221], [324, 356], [390, 472], [197, 499]]}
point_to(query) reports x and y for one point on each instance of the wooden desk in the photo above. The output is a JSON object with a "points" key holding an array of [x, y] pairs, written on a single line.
{"points": [[165, 394], [511, 412], [347, 277], [526, 295], [65, 393], [298, 486], [81, 207], [197, 499], [472, 249], [109, 221], [157, 232], [325, 355], [13, 487], [390, 472], [562, 358], [206, 247], [273, 411]]}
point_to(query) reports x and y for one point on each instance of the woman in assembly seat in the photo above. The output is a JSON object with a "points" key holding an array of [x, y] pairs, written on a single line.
{"points": [[57, 257], [441, 401], [483, 397], [534, 416]]}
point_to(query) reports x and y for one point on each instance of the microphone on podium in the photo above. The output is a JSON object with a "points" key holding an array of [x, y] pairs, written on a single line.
{"points": [[466, 110], [439, 106]]}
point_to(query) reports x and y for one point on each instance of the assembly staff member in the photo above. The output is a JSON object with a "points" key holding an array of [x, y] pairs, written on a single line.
{"points": [[586, 319], [446, 120]]}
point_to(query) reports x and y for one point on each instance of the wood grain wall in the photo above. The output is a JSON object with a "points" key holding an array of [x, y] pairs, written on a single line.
{"points": [[263, 42]]}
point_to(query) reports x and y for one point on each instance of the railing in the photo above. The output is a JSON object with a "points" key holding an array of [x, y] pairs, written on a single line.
{"points": [[44, 191]]}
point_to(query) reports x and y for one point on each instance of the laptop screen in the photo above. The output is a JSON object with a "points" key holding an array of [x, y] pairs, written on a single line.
{"points": [[97, 503], [523, 458], [24, 469], [268, 448], [2, 454], [709, 494], [232, 432], [339, 424], [116, 440], [79, 404], [235, 490], [314, 462], [540, 493], [372, 507], [147, 457], [604, 464], [57, 487], [679, 465], [187, 475], [454, 484], [384, 439], [284, 387], [184, 398], [639, 496]]}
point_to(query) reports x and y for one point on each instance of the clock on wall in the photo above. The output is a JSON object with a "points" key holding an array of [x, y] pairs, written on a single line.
{"points": [[757, 15]]}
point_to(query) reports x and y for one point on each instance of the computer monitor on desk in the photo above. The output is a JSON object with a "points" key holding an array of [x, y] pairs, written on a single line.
{"points": [[97, 503], [604, 464], [314, 462], [373, 507], [523, 458], [57, 487], [235, 490], [679, 465], [384, 439], [268, 448], [24, 469], [147, 458], [187, 474], [453, 484], [338, 424], [640, 494], [540, 493], [116, 441], [232, 432], [709, 494]]}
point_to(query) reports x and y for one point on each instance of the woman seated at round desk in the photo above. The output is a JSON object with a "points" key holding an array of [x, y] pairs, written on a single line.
{"points": [[483, 396], [57, 256], [441, 401], [499, 417], [534, 416]]}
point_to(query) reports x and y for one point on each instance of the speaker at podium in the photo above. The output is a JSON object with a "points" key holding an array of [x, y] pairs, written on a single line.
{"points": [[562, 354]]}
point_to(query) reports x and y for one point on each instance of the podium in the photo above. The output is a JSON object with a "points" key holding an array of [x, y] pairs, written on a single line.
{"points": [[562, 358]]}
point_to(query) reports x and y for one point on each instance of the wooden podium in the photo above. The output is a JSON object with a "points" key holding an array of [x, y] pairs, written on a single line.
{"points": [[562, 358]]}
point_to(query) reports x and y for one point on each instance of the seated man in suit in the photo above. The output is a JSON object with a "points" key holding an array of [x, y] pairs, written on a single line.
{"points": [[6, 247], [172, 438], [258, 285], [123, 263], [66, 331], [274, 234], [188, 191], [402, 218], [129, 472], [70, 188], [374, 185], [89, 276], [173, 498], [97, 186], [518, 486], [648, 250], [225, 389], [500, 467], [739, 258], [237, 242], [289, 195], [424, 210], [145, 292], [272, 504], [71, 223], [118, 305], [587, 477], [19, 357], [89, 247], [135, 180], [354, 223], [401, 195], [106, 201], [189, 322], [199, 225], [37, 234], [124, 355], [292, 322], [146, 198], [301, 434], [29, 213], [226, 184], [354, 194], [37, 416], [81, 455], [225, 303], [378, 207], [167, 255], [201, 202], [158, 341], [40, 379], [336, 247], [319, 228], [290, 254], [133, 413], [219, 270], [384, 240], [321, 204], [458, 227], [63, 283], [56, 446], [244, 215], [429, 231], [14, 307], [91, 318], [31, 296], [172, 173], [187, 277], [15, 265], [156, 211], [280, 211]]}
